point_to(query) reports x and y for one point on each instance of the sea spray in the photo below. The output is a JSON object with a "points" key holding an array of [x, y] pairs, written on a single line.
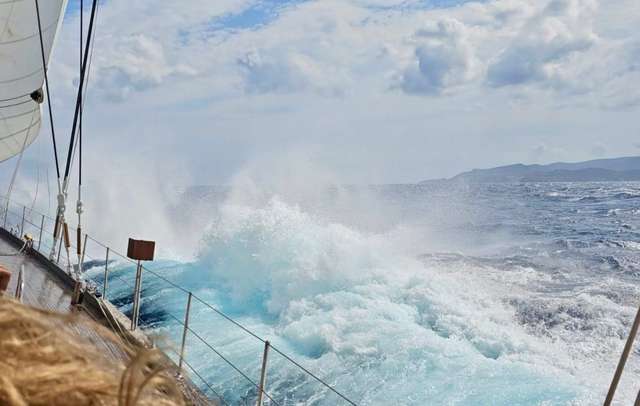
{"points": [[385, 326]]}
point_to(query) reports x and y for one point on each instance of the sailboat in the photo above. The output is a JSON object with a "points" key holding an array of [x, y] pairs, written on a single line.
{"points": [[28, 31]]}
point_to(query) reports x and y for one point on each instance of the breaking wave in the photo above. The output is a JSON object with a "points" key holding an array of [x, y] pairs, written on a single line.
{"points": [[539, 324]]}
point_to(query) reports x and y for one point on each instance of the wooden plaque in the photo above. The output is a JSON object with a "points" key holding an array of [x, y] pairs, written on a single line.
{"points": [[141, 250]]}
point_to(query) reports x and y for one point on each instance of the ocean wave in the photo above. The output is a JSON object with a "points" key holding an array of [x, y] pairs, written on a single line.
{"points": [[536, 319]]}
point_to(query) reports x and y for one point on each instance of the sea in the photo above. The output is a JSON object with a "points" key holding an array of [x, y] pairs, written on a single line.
{"points": [[427, 294]]}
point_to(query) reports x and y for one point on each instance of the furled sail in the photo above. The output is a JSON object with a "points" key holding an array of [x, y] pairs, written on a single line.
{"points": [[21, 71]]}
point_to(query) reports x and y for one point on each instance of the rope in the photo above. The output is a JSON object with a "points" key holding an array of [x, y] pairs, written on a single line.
{"points": [[46, 82]]}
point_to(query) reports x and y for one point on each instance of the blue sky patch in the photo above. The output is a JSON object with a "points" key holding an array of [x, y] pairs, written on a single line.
{"points": [[266, 11], [257, 15]]}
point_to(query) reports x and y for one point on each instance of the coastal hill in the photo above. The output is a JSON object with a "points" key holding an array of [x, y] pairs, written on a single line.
{"points": [[600, 170]]}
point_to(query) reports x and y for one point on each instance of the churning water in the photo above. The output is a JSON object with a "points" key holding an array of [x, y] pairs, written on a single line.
{"points": [[511, 294]]}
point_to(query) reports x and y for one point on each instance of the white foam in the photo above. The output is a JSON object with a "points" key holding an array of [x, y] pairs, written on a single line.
{"points": [[381, 325]]}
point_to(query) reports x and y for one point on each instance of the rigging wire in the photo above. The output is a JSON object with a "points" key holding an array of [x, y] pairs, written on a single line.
{"points": [[46, 82], [62, 196], [81, 102], [80, 90], [87, 80], [79, 201]]}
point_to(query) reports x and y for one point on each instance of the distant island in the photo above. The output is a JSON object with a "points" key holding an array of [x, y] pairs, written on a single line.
{"points": [[600, 170]]}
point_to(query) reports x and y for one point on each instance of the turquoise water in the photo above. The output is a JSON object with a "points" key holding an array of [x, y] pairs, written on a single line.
{"points": [[458, 295]]}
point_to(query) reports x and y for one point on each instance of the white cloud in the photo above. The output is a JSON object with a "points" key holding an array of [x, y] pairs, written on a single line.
{"points": [[288, 73], [140, 45], [333, 76], [622, 61], [133, 63], [443, 58], [546, 46]]}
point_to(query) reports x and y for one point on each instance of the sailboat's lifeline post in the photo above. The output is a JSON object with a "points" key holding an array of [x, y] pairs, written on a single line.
{"points": [[139, 250]]}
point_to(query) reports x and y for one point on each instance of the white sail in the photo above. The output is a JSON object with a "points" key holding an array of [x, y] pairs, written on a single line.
{"points": [[21, 72]]}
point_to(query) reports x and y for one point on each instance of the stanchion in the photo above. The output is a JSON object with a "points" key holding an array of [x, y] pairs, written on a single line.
{"points": [[263, 373], [105, 284], [623, 359], [139, 250], [20, 284], [59, 251], [41, 228], [136, 297], [184, 331], [24, 210], [84, 249]]}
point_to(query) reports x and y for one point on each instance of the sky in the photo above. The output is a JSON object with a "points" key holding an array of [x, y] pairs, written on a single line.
{"points": [[374, 91]]}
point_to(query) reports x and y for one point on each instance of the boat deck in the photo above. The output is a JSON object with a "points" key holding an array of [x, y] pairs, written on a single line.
{"points": [[41, 288], [48, 287], [44, 290]]}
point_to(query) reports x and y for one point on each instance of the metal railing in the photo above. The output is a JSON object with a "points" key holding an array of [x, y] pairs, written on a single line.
{"points": [[119, 279]]}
